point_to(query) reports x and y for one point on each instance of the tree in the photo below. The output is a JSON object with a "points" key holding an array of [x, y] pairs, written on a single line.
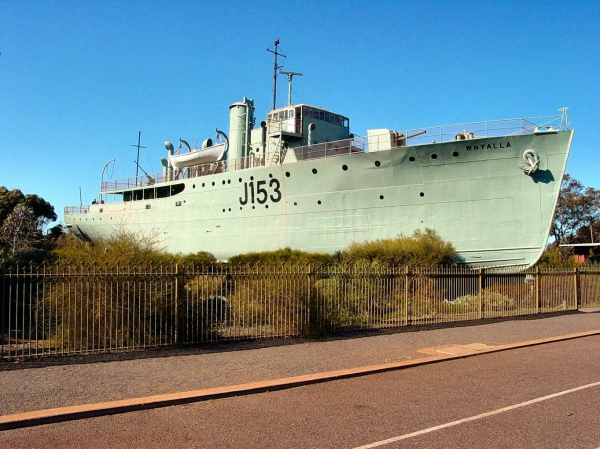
{"points": [[42, 210], [577, 209], [19, 231], [23, 221]]}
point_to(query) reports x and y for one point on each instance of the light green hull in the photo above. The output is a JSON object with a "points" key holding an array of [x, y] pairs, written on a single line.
{"points": [[479, 199]]}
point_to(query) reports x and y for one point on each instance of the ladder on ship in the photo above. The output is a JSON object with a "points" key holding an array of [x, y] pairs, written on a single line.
{"points": [[279, 153]]}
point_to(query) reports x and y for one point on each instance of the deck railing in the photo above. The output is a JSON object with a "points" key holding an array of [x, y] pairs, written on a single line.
{"points": [[489, 128], [61, 311], [77, 209], [418, 136]]}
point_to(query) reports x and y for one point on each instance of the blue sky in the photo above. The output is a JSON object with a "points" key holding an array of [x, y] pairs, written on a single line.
{"points": [[79, 79]]}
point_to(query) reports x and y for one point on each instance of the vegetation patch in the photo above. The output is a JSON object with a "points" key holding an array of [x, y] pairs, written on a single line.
{"points": [[422, 248]]}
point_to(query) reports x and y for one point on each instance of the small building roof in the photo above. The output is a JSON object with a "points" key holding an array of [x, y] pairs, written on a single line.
{"points": [[580, 245]]}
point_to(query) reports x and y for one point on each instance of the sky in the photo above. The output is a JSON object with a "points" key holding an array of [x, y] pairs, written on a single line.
{"points": [[80, 79]]}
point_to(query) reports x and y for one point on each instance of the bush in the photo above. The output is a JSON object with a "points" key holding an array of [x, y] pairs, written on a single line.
{"points": [[358, 295], [201, 258], [423, 248], [123, 248], [555, 256], [280, 256], [493, 300]]}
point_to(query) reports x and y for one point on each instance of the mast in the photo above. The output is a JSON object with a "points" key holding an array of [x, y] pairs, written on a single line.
{"points": [[275, 68], [138, 154]]}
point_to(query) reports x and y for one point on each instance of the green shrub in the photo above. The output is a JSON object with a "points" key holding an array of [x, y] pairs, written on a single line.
{"points": [[281, 255], [423, 248], [355, 295], [493, 300], [201, 258], [123, 248], [555, 256]]}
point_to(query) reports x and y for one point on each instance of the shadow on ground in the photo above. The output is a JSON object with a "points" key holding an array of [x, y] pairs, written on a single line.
{"points": [[244, 345]]}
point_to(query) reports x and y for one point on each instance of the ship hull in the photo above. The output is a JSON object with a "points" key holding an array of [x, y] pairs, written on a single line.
{"points": [[473, 193]]}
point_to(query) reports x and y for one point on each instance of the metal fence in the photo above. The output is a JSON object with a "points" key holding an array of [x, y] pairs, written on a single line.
{"points": [[60, 311]]}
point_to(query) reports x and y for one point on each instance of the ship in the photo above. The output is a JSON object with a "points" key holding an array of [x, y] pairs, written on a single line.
{"points": [[300, 179]]}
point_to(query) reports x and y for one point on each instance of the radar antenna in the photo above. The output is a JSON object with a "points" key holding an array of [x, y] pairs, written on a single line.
{"points": [[275, 68]]}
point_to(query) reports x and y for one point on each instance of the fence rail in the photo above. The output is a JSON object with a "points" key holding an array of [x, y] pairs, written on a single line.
{"points": [[61, 311]]}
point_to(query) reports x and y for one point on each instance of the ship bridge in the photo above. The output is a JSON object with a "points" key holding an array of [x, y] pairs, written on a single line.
{"points": [[303, 124]]}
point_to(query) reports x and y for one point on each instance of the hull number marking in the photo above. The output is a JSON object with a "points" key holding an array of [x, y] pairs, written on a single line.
{"points": [[262, 193]]}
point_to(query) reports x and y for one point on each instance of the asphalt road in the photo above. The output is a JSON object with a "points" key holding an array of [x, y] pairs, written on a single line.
{"points": [[366, 410]]}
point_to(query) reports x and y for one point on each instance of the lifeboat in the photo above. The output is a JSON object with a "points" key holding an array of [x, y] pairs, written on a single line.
{"points": [[197, 156]]}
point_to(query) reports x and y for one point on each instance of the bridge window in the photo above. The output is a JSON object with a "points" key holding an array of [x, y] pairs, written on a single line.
{"points": [[177, 188], [163, 192]]}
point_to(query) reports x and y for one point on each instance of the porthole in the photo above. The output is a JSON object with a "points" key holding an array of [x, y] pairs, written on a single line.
{"points": [[314, 170], [380, 197], [251, 178], [295, 204], [223, 210], [253, 207], [229, 181], [287, 174], [230, 209], [422, 194], [434, 156], [203, 184], [344, 167], [193, 186], [241, 208], [319, 202], [412, 159], [213, 183], [240, 179], [455, 154], [266, 206], [223, 182], [270, 175], [377, 164]]}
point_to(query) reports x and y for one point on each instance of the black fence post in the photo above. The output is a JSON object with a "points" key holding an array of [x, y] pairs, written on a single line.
{"points": [[314, 324], [407, 309], [176, 305], [538, 299], [577, 292]]}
